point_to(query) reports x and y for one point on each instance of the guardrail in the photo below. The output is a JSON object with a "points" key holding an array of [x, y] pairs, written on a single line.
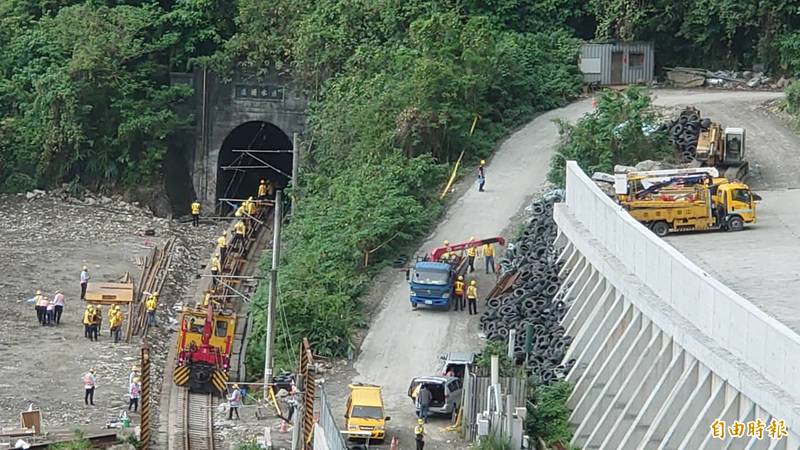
{"points": [[767, 348]]}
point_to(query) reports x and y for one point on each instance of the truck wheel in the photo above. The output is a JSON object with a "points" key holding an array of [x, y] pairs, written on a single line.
{"points": [[413, 306], [735, 223], [660, 228]]}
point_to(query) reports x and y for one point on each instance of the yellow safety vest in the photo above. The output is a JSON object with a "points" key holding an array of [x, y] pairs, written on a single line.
{"points": [[459, 288], [240, 228], [262, 189], [195, 208], [222, 242], [251, 208], [488, 250], [472, 292], [471, 251], [151, 304], [215, 264]]}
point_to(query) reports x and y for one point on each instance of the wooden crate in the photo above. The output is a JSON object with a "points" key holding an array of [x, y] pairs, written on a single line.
{"points": [[108, 293]]}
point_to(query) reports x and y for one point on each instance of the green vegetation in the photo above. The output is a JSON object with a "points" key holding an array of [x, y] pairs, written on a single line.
{"points": [[793, 98], [412, 77], [548, 414], [615, 133], [494, 441]]}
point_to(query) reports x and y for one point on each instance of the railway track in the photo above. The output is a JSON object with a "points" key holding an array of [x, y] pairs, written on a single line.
{"points": [[196, 423]]}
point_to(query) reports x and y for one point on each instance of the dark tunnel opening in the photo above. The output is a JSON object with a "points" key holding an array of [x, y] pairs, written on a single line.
{"points": [[243, 182]]}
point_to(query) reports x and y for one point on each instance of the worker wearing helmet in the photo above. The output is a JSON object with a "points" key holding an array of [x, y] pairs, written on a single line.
{"points": [[216, 269], [84, 282], [240, 231], [447, 255], [115, 321], [251, 207], [133, 393], [263, 189], [89, 384], [471, 253], [150, 305], [472, 297], [419, 434], [97, 322], [195, 213], [481, 176], [458, 289], [234, 401], [222, 245], [87, 321], [37, 303]]}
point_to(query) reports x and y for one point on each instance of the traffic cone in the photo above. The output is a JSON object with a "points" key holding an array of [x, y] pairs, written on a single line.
{"points": [[395, 445], [594, 103], [284, 427]]}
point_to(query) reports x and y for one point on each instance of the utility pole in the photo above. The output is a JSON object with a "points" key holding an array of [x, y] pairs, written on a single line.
{"points": [[273, 292], [295, 170]]}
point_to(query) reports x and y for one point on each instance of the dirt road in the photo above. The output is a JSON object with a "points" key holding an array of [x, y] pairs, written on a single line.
{"points": [[403, 343]]}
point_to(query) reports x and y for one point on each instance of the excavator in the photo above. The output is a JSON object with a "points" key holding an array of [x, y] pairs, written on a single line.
{"points": [[723, 149], [685, 199]]}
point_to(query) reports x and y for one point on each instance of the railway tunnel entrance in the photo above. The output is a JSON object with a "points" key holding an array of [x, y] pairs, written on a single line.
{"points": [[252, 151]]}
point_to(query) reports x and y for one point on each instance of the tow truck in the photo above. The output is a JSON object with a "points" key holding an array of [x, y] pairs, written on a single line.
{"points": [[685, 199]]}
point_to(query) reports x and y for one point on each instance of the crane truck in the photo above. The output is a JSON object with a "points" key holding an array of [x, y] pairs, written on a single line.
{"points": [[685, 199], [433, 277]]}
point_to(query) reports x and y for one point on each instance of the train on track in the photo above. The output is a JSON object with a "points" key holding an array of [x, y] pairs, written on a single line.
{"points": [[205, 342], [206, 335]]}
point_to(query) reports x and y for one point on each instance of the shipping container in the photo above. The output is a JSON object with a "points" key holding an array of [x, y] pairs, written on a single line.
{"points": [[617, 63]]}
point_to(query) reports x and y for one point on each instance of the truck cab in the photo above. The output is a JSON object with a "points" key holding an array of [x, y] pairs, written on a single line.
{"points": [[431, 284], [736, 205]]}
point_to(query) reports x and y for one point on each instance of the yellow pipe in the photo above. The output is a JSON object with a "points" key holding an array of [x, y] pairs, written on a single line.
{"points": [[452, 176]]}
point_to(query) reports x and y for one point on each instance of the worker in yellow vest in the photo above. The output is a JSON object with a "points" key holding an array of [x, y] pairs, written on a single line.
{"points": [[195, 213], [215, 270], [472, 297], [150, 306], [471, 253], [222, 245], [87, 321], [458, 289], [251, 207], [447, 255], [263, 190], [115, 322], [488, 257], [240, 231]]}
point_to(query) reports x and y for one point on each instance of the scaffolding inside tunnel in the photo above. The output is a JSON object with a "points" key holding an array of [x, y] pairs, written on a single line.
{"points": [[251, 152]]}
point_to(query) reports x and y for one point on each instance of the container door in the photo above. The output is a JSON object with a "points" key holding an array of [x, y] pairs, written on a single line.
{"points": [[616, 68]]}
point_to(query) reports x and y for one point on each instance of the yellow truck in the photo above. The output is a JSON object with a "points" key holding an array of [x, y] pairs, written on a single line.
{"points": [[364, 413], [685, 199]]}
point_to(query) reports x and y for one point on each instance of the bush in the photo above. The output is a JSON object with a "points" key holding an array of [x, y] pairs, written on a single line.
{"points": [[611, 134], [494, 441], [792, 93], [548, 419]]}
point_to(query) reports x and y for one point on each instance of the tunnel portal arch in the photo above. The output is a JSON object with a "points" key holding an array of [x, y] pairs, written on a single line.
{"points": [[238, 173]]}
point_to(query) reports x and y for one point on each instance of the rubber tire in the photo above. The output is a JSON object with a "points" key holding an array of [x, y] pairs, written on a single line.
{"points": [[660, 228], [735, 223]]}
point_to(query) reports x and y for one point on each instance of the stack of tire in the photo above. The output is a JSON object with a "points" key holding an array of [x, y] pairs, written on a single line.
{"points": [[533, 299], [684, 133]]}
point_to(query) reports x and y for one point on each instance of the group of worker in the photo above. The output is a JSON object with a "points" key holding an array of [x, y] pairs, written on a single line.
{"points": [[468, 293], [48, 311], [93, 321]]}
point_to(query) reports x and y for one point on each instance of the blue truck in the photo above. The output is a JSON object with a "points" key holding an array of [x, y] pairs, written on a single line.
{"points": [[432, 283], [432, 279]]}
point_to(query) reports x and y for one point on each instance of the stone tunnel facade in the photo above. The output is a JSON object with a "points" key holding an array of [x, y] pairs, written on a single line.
{"points": [[228, 111]]}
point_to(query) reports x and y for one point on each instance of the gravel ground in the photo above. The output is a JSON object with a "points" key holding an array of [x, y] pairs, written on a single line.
{"points": [[47, 238]]}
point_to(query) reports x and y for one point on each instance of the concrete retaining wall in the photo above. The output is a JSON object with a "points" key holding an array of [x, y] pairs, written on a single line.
{"points": [[638, 304]]}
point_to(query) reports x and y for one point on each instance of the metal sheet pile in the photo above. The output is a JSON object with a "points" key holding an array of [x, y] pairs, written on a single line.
{"points": [[533, 302]]}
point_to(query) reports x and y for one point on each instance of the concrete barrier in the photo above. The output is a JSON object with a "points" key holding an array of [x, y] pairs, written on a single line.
{"points": [[748, 350]]}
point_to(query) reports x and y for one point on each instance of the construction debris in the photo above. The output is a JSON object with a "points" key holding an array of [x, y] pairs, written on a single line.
{"points": [[688, 77]]}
